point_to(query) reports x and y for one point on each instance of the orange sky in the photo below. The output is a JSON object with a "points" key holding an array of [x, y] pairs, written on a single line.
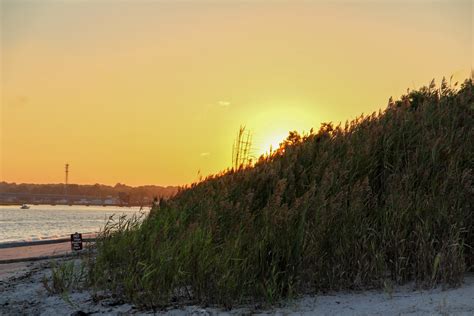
{"points": [[150, 92]]}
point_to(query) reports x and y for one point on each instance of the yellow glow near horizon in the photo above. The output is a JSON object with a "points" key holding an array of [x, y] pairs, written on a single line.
{"points": [[272, 127], [150, 92], [272, 143]]}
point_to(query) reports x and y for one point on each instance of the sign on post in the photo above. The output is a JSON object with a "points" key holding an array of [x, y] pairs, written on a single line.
{"points": [[76, 241]]}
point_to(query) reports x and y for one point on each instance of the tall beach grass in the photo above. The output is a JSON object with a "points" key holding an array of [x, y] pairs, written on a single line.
{"points": [[386, 198]]}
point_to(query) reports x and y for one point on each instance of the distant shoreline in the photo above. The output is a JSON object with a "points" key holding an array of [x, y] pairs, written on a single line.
{"points": [[71, 204], [81, 194]]}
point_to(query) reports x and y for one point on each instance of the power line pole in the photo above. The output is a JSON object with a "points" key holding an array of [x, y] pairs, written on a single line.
{"points": [[65, 183]]}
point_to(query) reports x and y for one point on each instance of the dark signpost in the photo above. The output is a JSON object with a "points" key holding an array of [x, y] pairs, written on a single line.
{"points": [[76, 241]]}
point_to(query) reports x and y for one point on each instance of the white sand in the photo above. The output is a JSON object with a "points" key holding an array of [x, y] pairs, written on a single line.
{"points": [[22, 293], [11, 269]]}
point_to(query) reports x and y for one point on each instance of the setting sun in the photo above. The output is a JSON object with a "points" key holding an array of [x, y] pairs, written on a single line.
{"points": [[269, 128], [271, 143]]}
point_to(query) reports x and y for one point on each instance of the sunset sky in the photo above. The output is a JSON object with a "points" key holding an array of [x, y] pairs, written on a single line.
{"points": [[151, 92]]}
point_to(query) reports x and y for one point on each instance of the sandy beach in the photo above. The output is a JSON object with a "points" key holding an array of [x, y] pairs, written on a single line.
{"points": [[24, 294], [35, 251], [25, 253]]}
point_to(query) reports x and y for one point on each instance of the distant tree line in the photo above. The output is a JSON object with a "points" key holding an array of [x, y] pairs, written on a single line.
{"points": [[127, 195]]}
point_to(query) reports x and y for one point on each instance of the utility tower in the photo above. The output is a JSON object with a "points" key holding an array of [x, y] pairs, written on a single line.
{"points": [[65, 183], [241, 148]]}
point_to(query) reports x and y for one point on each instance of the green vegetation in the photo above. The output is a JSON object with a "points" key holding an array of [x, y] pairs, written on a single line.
{"points": [[65, 276], [384, 199]]}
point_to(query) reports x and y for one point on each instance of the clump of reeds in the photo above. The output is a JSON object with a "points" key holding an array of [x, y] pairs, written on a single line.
{"points": [[65, 277], [384, 199]]}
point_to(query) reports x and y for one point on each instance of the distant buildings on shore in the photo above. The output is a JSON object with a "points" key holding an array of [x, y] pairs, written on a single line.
{"points": [[96, 194], [19, 198]]}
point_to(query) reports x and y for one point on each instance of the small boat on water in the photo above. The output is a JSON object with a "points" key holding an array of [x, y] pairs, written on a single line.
{"points": [[24, 207]]}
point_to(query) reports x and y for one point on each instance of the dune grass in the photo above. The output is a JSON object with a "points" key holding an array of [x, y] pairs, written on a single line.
{"points": [[65, 276], [384, 199]]}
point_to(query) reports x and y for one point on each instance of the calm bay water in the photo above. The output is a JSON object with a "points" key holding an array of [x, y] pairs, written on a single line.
{"points": [[47, 221]]}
